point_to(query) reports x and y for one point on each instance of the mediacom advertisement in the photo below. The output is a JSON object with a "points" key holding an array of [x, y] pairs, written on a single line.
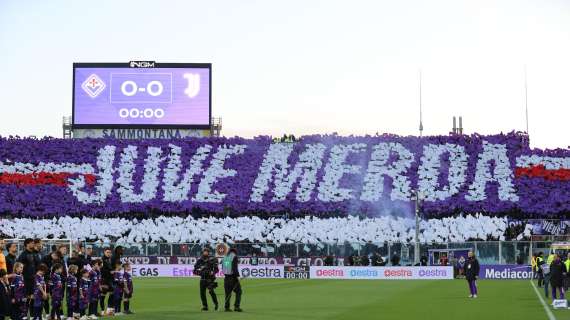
{"points": [[383, 273], [505, 272]]}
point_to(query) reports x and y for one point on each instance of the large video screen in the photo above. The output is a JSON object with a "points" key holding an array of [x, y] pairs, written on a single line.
{"points": [[141, 94]]}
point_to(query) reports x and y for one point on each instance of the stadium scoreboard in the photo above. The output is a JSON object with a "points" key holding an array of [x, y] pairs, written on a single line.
{"points": [[142, 94]]}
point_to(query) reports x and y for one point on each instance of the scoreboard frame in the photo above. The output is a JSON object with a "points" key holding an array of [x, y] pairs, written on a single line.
{"points": [[139, 65]]}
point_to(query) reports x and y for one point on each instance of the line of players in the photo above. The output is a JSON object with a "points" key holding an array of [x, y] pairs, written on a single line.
{"points": [[32, 287]]}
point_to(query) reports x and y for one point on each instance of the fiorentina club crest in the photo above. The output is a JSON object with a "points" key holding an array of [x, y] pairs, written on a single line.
{"points": [[93, 85]]}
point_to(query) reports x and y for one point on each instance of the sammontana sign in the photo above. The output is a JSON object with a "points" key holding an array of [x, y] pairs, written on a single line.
{"points": [[319, 174], [139, 133]]}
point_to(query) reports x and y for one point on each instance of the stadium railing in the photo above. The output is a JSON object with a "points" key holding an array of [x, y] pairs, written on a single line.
{"points": [[488, 252]]}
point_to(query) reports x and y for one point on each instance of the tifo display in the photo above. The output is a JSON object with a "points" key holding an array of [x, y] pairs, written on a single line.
{"points": [[307, 230], [319, 174]]}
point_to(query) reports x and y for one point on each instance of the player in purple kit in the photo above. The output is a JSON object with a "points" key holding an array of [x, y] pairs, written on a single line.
{"points": [[40, 292], [56, 290], [71, 292], [95, 290], [128, 287], [20, 309], [119, 287], [84, 293]]}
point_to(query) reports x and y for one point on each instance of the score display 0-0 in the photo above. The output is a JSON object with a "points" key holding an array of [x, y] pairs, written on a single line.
{"points": [[108, 95]]}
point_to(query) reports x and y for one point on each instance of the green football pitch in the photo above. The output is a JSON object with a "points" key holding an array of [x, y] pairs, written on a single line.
{"points": [[169, 298]]}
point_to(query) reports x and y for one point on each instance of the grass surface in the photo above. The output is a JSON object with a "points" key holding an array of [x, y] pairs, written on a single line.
{"points": [[168, 298]]}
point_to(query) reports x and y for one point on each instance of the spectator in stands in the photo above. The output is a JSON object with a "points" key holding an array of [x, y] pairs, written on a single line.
{"points": [[443, 260], [329, 260], [461, 266], [254, 259], [557, 274], [11, 257], [376, 259], [472, 273], [2, 257], [423, 261], [395, 260], [350, 260], [364, 261], [454, 263]]}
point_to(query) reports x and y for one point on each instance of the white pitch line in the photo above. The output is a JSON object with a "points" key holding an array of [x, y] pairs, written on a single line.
{"points": [[546, 307]]}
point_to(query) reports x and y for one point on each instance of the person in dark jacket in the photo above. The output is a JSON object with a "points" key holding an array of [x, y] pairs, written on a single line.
{"points": [[365, 261], [5, 296], [395, 260], [117, 256], [557, 274], [76, 260], [539, 272], [423, 261], [28, 259], [39, 247], [106, 280], [231, 280], [472, 273], [206, 267], [11, 257], [376, 259], [350, 260]]}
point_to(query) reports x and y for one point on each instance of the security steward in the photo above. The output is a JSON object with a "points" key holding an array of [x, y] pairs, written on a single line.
{"points": [[206, 267], [540, 275], [231, 280]]}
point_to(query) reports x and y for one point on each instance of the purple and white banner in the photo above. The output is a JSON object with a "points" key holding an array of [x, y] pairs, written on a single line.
{"points": [[505, 272], [545, 227], [127, 96], [370, 175]]}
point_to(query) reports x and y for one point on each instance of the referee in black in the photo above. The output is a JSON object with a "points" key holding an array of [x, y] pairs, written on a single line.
{"points": [[231, 280]]}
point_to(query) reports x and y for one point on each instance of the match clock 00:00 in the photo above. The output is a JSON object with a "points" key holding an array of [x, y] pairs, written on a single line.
{"points": [[296, 272]]}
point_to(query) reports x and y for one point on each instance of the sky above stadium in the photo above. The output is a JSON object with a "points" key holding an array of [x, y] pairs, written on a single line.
{"points": [[305, 67]]}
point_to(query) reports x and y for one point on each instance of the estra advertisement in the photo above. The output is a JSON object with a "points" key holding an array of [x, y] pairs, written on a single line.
{"points": [[278, 272], [382, 273], [186, 270]]}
